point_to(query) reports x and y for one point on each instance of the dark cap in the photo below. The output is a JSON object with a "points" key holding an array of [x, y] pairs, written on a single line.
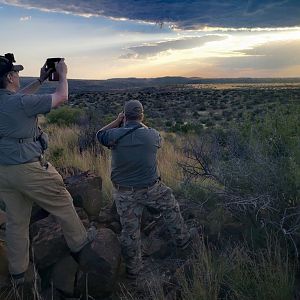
{"points": [[6, 65], [133, 109]]}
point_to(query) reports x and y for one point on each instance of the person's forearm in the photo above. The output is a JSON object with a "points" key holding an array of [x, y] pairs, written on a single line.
{"points": [[62, 88], [32, 87], [114, 124], [61, 94]]}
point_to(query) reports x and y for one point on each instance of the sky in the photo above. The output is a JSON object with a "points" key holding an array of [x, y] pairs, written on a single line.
{"points": [[103, 39]]}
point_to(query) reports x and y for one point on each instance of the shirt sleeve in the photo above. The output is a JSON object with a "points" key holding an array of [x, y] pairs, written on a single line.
{"points": [[36, 104], [157, 138], [103, 137]]}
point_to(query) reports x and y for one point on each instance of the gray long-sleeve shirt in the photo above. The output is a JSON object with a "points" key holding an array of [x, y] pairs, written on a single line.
{"points": [[18, 120]]}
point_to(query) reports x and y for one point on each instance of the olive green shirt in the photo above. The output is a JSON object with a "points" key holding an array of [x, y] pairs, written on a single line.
{"points": [[18, 120]]}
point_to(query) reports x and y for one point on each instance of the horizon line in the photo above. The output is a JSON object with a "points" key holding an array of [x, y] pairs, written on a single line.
{"points": [[193, 77]]}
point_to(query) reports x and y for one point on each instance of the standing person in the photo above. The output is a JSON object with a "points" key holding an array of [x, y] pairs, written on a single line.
{"points": [[24, 179], [137, 183]]}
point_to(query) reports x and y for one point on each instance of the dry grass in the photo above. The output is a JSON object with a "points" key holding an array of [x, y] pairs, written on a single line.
{"points": [[64, 152], [237, 272]]}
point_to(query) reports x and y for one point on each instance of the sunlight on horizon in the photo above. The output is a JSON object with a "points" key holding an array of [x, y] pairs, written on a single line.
{"points": [[109, 47]]}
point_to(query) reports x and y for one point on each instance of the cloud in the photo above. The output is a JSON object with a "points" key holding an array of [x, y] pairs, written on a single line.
{"points": [[269, 56], [184, 14], [25, 19], [178, 44]]}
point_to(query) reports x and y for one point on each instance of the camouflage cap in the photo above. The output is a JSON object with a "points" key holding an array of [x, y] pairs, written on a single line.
{"points": [[133, 109], [7, 65]]}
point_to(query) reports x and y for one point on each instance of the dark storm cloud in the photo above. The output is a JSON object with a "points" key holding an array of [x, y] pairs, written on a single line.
{"points": [[179, 44], [185, 14]]}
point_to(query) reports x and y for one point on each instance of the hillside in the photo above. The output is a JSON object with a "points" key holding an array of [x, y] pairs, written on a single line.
{"points": [[77, 85]]}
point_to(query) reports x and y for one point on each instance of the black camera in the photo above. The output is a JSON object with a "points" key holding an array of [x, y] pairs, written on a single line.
{"points": [[50, 65]]}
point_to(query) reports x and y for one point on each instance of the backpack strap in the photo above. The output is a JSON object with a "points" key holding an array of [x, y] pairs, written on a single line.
{"points": [[114, 143]]}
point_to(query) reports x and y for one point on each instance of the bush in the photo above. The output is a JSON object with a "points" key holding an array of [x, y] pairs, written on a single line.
{"points": [[65, 116], [256, 168]]}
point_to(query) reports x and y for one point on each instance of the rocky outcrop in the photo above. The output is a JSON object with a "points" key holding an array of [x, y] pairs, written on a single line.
{"points": [[98, 273], [101, 260], [48, 242], [85, 189], [63, 275]]}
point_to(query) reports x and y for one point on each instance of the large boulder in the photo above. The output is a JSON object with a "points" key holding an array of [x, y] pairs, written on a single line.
{"points": [[101, 259], [85, 190], [48, 241], [63, 275]]}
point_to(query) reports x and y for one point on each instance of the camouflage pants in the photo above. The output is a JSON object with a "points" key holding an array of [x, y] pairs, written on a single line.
{"points": [[130, 206]]}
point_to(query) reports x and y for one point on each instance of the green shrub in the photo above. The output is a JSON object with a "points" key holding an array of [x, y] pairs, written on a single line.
{"points": [[256, 166], [65, 116]]}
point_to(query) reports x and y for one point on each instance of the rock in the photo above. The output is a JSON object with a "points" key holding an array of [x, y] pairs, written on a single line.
{"points": [[2, 218], [115, 227], [68, 171], [83, 216], [85, 189], [50, 294], [105, 216], [63, 275], [2, 205], [38, 213], [102, 261], [48, 242]]}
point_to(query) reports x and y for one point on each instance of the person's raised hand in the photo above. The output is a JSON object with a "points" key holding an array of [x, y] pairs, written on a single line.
{"points": [[62, 68], [121, 116], [44, 73]]}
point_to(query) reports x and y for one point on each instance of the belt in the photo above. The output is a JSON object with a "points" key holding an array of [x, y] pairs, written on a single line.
{"points": [[132, 188]]}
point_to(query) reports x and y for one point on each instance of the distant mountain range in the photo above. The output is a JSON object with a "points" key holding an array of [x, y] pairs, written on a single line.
{"points": [[78, 85]]}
